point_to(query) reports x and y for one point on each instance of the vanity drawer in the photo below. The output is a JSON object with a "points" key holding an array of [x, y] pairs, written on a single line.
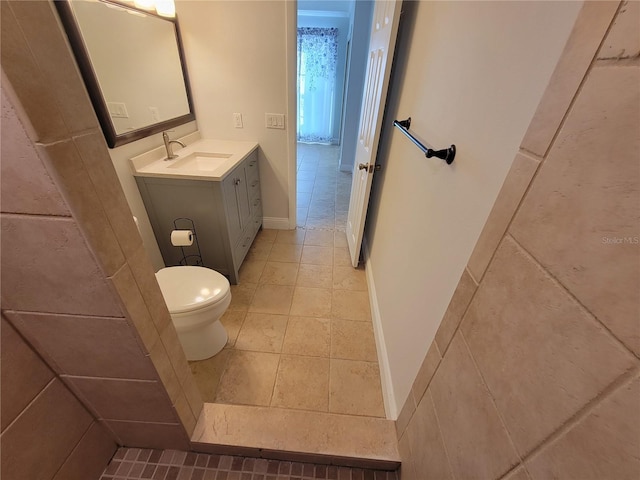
{"points": [[252, 168], [248, 235], [243, 245], [256, 219], [256, 205], [254, 188]]}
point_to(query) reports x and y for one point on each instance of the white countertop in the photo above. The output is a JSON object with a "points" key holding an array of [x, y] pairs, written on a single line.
{"points": [[230, 153]]}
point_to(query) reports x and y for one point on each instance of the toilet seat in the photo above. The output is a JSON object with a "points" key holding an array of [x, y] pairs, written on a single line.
{"points": [[188, 289]]}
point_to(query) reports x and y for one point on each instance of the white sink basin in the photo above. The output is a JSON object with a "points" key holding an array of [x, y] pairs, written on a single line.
{"points": [[201, 161]]}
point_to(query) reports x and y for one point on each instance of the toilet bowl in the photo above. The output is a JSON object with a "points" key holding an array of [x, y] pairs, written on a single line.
{"points": [[196, 297]]}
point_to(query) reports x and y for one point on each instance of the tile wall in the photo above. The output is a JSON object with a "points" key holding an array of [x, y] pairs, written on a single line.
{"points": [[75, 447], [534, 372], [76, 281]]}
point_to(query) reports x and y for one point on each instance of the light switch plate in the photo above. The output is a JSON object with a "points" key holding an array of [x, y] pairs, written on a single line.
{"points": [[117, 110], [237, 120], [274, 120]]}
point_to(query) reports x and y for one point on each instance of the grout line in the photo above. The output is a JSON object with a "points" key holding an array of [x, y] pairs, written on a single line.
{"points": [[57, 314], [475, 280], [443, 351], [330, 365], [568, 424], [77, 446], [33, 400], [435, 413], [583, 412], [116, 379], [36, 215], [529, 153], [513, 469], [507, 230], [617, 62], [493, 402], [57, 375], [583, 81], [297, 410], [583, 307], [275, 380]]}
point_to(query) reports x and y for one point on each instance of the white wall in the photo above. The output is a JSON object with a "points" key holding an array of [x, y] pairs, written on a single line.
{"points": [[469, 73], [236, 57]]}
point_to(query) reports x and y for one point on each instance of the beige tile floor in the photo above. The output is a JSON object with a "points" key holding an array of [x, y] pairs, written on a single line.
{"points": [[299, 324]]}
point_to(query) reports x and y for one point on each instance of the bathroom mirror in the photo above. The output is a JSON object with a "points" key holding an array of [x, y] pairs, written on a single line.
{"points": [[133, 66]]}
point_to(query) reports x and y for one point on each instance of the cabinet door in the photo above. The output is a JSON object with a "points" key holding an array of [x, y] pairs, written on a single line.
{"points": [[231, 207], [236, 202], [253, 185], [242, 194], [201, 201]]}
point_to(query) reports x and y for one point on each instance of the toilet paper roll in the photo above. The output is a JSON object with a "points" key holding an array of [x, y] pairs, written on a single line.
{"points": [[181, 238]]}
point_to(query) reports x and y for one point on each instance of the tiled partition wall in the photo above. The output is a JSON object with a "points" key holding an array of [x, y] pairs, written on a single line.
{"points": [[46, 432], [534, 371], [76, 281]]}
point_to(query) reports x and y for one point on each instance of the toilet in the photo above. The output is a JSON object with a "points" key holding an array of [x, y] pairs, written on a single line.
{"points": [[197, 297]]}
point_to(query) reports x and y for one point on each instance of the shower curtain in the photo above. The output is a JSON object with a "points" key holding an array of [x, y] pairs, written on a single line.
{"points": [[317, 55]]}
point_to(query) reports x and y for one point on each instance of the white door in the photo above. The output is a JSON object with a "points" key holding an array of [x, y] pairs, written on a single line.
{"points": [[384, 29]]}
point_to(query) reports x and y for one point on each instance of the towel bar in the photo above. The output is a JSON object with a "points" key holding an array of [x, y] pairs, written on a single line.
{"points": [[446, 154]]}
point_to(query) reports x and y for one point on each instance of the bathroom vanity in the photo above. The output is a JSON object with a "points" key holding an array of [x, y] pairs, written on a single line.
{"points": [[214, 183]]}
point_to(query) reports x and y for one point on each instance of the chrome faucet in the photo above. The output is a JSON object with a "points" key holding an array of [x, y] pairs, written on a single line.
{"points": [[167, 145]]}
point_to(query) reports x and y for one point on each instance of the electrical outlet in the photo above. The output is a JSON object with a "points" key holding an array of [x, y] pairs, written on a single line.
{"points": [[155, 114], [274, 120], [237, 120]]}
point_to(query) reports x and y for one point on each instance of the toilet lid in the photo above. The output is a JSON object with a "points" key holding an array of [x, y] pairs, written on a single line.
{"points": [[190, 288]]}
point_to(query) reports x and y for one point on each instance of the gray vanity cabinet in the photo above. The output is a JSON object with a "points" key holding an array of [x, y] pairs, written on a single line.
{"points": [[227, 215]]}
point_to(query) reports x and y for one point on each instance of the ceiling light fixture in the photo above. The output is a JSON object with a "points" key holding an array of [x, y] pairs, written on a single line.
{"points": [[165, 8]]}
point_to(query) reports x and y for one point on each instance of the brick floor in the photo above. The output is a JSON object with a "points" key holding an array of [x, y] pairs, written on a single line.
{"points": [[137, 464]]}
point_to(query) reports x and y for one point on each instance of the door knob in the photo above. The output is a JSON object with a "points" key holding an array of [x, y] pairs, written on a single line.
{"points": [[369, 168]]}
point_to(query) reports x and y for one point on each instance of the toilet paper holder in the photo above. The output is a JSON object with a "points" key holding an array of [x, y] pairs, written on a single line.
{"points": [[193, 255]]}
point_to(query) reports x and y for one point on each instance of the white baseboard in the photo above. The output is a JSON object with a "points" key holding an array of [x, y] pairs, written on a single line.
{"points": [[390, 405], [275, 223]]}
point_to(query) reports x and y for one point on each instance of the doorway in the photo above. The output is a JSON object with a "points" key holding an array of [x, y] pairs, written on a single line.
{"points": [[331, 64]]}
